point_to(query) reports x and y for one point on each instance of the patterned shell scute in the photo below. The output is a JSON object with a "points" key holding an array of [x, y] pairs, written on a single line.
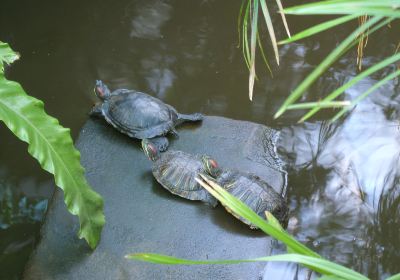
{"points": [[176, 171], [139, 115], [254, 192]]}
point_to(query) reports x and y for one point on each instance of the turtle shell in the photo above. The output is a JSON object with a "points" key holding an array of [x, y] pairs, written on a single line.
{"points": [[255, 193], [176, 171], [139, 115]]}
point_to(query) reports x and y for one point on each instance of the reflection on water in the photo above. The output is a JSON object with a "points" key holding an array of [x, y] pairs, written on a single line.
{"points": [[20, 216], [149, 18], [344, 181], [345, 191]]}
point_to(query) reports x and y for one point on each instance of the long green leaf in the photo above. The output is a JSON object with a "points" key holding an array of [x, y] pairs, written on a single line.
{"points": [[353, 81], [330, 277], [317, 264], [270, 28], [319, 104], [280, 6], [253, 41], [52, 146], [372, 8], [366, 93], [245, 42], [244, 211], [239, 22], [329, 60], [318, 28]]}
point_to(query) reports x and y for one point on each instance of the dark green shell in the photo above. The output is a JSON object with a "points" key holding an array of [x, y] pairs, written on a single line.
{"points": [[176, 171], [139, 115], [255, 193]]}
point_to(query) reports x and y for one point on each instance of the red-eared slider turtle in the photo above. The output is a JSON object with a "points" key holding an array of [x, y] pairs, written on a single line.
{"points": [[176, 171], [138, 114], [253, 191]]}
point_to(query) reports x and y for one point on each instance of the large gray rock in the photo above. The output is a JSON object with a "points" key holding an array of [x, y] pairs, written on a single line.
{"points": [[141, 216]]}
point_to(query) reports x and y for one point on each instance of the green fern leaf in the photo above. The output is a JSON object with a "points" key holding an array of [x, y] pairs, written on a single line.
{"points": [[52, 145]]}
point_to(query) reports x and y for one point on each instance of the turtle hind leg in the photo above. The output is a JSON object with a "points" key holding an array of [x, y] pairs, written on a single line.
{"points": [[161, 143], [210, 200], [190, 118]]}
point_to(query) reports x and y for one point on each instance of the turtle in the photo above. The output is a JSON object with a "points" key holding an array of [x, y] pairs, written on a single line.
{"points": [[251, 190], [176, 171], [138, 114]]}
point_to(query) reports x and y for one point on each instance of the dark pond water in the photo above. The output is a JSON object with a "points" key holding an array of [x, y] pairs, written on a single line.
{"points": [[344, 179]]}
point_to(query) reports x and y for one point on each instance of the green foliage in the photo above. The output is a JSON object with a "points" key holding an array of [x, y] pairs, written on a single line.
{"points": [[323, 66], [394, 277], [317, 264], [318, 28], [389, 8], [52, 145], [249, 14], [381, 12], [355, 80]]}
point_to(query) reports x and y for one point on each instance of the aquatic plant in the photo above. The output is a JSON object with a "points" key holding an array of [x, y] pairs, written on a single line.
{"points": [[52, 145], [249, 15], [297, 252], [374, 16]]}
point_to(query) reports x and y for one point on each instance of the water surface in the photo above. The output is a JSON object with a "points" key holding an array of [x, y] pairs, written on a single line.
{"points": [[343, 185]]}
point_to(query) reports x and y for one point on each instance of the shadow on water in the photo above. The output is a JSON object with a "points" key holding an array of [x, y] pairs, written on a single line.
{"points": [[344, 181]]}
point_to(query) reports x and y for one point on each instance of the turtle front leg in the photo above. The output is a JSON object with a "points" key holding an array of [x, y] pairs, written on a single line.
{"points": [[160, 142], [174, 133], [96, 110]]}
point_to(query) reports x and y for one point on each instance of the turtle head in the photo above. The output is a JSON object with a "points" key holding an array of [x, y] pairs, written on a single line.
{"points": [[101, 90], [150, 150], [211, 166]]}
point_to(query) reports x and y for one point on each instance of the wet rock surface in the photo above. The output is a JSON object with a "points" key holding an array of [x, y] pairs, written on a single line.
{"points": [[141, 216]]}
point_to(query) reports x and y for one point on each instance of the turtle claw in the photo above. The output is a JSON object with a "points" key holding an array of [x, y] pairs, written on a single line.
{"points": [[174, 133], [213, 203], [161, 143]]}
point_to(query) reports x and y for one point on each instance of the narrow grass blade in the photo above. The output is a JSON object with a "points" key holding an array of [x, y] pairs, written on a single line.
{"points": [[244, 211], [239, 21], [279, 3], [318, 28], [317, 264], [264, 57], [253, 42], [270, 28], [320, 104], [388, 8], [329, 60], [330, 277], [245, 42], [353, 81], [271, 220], [365, 94]]}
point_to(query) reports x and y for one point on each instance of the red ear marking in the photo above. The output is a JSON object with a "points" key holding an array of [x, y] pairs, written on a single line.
{"points": [[100, 91], [213, 163]]}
